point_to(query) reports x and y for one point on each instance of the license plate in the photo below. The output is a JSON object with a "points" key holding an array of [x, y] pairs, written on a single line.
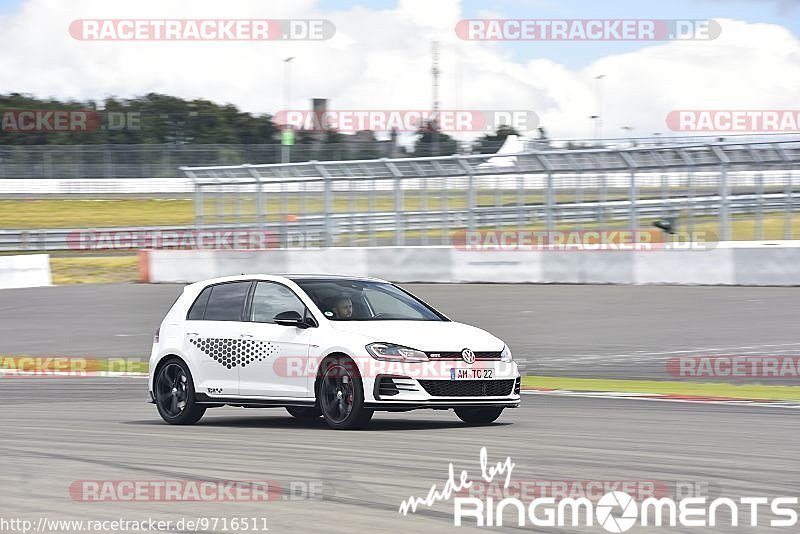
{"points": [[471, 374]]}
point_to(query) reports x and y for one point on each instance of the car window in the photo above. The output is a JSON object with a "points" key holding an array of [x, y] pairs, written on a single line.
{"points": [[365, 300], [384, 304], [198, 309], [270, 299], [227, 301]]}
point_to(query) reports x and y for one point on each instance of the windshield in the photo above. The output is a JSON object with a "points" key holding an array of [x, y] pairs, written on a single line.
{"points": [[360, 300]]}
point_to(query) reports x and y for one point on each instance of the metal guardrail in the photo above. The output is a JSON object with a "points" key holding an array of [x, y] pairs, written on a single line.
{"points": [[434, 186], [425, 200], [374, 228]]}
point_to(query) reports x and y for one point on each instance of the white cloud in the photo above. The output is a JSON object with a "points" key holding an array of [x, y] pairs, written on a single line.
{"points": [[381, 59], [750, 66]]}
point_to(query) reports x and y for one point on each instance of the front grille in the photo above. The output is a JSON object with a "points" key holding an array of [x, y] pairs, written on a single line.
{"points": [[447, 355], [468, 388]]}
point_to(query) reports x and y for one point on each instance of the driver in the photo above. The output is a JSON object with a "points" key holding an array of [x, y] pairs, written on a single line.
{"points": [[343, 307]]}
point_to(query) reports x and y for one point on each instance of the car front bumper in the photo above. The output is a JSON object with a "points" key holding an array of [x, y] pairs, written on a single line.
{"points": [[448, 384]]}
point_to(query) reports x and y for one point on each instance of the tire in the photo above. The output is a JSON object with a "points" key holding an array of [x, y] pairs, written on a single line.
{"points": [[304, 413], [340, 393], [173, 389], [479, 416]]}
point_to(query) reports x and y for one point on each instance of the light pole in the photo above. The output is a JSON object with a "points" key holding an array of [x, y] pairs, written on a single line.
{"points": [[287, 76], [629, 133], [598, 116]]}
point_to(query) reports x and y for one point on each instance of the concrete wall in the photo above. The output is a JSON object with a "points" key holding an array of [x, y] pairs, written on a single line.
{"points": [[733, 263], [30, 270]]}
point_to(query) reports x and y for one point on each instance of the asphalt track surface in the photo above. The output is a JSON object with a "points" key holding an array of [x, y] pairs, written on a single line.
{"points": [[584, 331], [56, 431]]}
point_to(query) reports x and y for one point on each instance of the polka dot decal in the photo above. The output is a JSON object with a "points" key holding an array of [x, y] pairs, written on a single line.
{"points": [[235, 352]]}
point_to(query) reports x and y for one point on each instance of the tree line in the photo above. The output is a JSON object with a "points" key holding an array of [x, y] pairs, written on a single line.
{"points": [[168, 120]]}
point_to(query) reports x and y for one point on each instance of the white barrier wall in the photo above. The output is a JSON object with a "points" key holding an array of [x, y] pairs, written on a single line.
{"points": [[92, 186], [732, 263], [30, 270]]}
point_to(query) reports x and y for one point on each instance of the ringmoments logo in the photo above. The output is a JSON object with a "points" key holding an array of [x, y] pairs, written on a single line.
{"points": [[615, 511]]}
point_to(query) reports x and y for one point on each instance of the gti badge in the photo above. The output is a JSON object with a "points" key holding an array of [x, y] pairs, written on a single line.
{"points": [[468, 356]]}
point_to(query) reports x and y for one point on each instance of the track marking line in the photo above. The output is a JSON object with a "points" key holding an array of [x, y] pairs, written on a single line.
{"points": [[662, 398], [688, 351]]}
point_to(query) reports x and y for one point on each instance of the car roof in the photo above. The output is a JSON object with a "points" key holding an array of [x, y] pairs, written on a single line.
{"points": [[284, 278], [331, 277]]}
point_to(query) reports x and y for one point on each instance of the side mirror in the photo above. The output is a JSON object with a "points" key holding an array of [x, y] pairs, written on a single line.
{"points": [[290, 318]]}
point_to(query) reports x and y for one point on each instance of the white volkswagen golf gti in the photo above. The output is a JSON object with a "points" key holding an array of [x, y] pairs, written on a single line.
{"points": [[323, 346]]}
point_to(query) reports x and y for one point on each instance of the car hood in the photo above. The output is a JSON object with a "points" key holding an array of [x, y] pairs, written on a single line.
{"points": [[423, 335]]}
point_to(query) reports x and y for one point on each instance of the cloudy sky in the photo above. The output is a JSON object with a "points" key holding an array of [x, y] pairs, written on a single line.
{"points": [[379, 58]]}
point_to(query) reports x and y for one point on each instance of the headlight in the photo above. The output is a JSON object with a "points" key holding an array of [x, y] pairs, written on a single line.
{"points": [[505, 356], [392, 352]]}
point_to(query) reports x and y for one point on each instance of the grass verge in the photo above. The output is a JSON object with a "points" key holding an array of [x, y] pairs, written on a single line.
{"points": [[692, 389], [94, 270], [110, 213]]}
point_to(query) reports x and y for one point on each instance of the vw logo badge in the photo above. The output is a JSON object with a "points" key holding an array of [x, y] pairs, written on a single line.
{"points": [[468, 356]]}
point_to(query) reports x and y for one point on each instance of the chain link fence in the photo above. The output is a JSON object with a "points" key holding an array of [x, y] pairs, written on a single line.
{"points": [[88, 162], [117, 161]]}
